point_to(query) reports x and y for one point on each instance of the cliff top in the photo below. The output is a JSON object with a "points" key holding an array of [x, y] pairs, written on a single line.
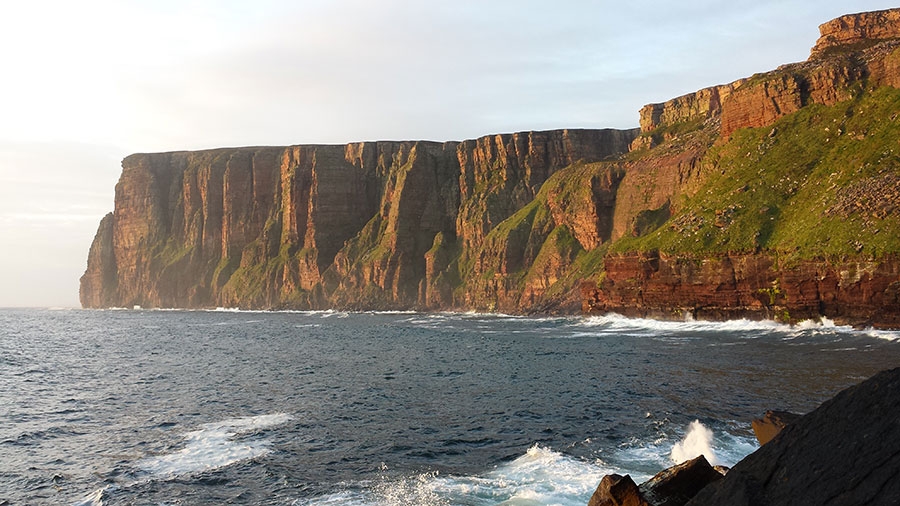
{"points": [[564, 132], [852, 32], [855, 30]]}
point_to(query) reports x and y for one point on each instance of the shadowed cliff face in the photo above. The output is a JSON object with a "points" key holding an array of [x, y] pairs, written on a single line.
{"points": [[760, 197], [367, 225]]}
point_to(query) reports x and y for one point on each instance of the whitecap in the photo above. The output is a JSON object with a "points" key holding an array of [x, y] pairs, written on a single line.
{"points": [[213, 446], [329, 313], [644, 458], [95, 498], [643, 326], [889, 335], [540, 476], [613, 323]]}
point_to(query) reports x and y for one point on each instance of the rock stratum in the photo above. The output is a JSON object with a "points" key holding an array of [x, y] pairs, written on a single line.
{"points": [[775, 196]]}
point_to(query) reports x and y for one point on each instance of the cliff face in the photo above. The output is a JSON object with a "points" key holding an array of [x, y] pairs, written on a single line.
{"points": [[753, 286], [367, 225], [772, 196], [856, 30]]}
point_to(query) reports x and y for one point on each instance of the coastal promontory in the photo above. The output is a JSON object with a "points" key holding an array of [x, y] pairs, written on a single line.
{"points": [[775, 196]]}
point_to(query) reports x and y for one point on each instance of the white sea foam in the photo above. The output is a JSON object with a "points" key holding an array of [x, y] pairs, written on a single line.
{"points": [[540, 476], [329, 313], [213, 446], [890, 335], [697, 441], [617, 323], [95, 498], [645, 458]]}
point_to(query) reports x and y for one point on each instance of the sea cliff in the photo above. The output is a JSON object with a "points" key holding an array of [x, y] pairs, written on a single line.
{"points": [[772, 196], [378, 225]]}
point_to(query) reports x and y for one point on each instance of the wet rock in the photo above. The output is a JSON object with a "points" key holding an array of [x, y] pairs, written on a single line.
{"points": [[771, 424], [678, 484], [674, 486], [616, 490], [845, 452]]}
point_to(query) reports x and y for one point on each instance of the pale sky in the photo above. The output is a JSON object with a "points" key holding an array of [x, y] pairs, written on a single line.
{"points": [[84, 84]]}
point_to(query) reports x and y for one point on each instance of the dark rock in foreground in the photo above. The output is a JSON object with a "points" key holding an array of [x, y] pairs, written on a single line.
{"points": [[616, 490], [678, 484], [846, 452], [673, 487]]}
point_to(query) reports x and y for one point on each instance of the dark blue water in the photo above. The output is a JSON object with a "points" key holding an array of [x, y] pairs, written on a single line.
{"points": [[165, 407]]}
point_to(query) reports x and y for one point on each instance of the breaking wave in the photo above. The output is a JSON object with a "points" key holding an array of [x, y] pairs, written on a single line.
{"points": [[540, 476]]}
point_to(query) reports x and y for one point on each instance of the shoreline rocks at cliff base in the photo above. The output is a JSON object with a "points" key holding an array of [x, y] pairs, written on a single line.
{"points": [[861, 293], [674, 486], [617, 490]]}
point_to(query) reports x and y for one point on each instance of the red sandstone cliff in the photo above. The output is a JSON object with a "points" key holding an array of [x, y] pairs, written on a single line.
{"points": [[856, 55], [862, 292], [852, 50], [856, 31], [367, 225], [505, 222]]}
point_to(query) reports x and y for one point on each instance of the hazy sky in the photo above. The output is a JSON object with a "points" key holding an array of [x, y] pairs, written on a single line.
{"points": [[86, 83]]}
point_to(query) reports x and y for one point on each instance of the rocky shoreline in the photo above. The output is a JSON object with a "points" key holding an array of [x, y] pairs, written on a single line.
{"points": [[753, 286], [845, 452]]}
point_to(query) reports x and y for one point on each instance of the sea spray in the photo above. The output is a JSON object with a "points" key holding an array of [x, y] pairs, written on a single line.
{"points": [[697, 441]]}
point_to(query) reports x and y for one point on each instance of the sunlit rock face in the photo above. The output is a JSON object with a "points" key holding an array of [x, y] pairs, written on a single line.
{"points": [[364, 225], [519, 222]]}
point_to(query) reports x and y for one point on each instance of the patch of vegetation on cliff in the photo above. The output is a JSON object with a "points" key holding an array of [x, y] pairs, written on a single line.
{"points": [[250, 273], [668, 132], [553, 263], [251, 283], [537, 257], [819, 183], [173, 252]]}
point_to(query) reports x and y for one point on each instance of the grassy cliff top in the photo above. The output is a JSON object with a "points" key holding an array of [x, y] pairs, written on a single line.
{"points": [[823, 182]]}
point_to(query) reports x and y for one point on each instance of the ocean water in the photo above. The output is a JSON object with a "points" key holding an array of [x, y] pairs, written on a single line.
{"points": [[328, 408]]}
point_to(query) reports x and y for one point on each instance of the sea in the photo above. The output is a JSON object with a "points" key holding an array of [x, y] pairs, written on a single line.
{"points": [[151, 407]]}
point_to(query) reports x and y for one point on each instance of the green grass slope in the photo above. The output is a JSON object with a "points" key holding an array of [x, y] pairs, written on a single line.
{"points": [[821, 183]]}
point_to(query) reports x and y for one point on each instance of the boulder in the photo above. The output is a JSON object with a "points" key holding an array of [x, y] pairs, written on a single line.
{"points": [[672, 487], [616, 490], [678, 484], [771, 424], [846, 452]]}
